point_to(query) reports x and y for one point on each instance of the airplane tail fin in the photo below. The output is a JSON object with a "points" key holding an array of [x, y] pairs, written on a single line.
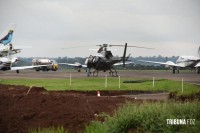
{"points": [[7, 35]]}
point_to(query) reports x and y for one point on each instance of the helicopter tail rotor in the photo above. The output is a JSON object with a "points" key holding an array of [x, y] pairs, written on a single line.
{"points": [[128, 56]]}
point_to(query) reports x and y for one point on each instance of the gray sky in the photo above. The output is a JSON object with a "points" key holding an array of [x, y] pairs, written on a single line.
{"points": [[172, 27]]}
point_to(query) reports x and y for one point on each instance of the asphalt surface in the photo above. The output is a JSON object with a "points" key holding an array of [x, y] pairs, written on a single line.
{"points": [[187, 76]]}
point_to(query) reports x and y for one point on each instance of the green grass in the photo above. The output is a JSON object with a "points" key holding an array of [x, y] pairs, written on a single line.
{"points": [[146, 117], [150, 118], [49, 130], [97, 83]]}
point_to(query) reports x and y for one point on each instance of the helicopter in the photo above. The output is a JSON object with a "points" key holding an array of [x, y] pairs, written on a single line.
{"points": [[104, 60]]}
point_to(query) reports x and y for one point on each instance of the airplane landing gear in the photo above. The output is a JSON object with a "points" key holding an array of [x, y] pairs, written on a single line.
{"points": [[198, 70], [112, 73], [178, 71], [88, 72], [173, 71], [17, 71]]}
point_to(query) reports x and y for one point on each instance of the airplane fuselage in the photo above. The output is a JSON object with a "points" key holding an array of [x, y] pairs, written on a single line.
{"points": [[5, 63], [187, 61]]}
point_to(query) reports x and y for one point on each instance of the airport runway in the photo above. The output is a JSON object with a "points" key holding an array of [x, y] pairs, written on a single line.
{"points": [[191, 77]]}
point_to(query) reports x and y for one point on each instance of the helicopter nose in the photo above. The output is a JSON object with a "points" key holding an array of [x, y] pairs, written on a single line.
{"points": [[86, 61]]}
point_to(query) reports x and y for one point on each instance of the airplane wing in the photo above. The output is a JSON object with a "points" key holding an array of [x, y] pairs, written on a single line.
{"points": [[197, 65], [85, 66], [162, 63], [168, 63], [118, 64], [25, 67], [14, 51], [75, 65]]}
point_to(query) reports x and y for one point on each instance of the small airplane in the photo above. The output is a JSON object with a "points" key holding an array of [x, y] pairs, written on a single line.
{"points": [[181, 62], [104, 60], [7, 50], [6, 64]]}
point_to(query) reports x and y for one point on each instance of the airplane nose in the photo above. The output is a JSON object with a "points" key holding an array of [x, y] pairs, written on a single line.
{"points": [[14, 60]]}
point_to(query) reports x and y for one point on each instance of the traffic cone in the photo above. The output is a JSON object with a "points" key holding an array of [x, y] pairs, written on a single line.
{"points": [[98, 93]]}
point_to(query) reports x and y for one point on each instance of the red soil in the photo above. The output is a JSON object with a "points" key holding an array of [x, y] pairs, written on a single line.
{"points": [[20, 112]]}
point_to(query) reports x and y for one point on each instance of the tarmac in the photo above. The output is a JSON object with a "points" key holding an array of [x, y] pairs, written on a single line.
{"points": [[187, 76]]}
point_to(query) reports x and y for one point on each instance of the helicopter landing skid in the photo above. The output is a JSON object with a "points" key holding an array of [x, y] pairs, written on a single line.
{"points": [[112, 73], [95, 71]]}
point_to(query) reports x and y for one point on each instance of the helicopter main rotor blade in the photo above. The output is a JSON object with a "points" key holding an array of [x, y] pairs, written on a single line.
{"points": [[132, 46], [80, 46], [140, 47]]}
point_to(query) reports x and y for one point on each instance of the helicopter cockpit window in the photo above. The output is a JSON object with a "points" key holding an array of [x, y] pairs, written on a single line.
{"points": [[53, 61], [108, 54]]}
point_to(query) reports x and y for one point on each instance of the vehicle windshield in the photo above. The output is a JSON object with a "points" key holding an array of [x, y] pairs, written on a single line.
{"points": [[53, 61]]}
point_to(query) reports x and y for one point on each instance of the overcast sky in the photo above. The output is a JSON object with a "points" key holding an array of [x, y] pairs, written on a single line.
{"points": [[172, 27]]}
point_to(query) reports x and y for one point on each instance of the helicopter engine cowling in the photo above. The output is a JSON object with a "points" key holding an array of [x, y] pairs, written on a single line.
{"points": [[96, 59]]}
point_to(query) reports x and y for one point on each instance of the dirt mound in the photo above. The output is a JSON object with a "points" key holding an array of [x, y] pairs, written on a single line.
{"points": [[19, 89], [24, 108]]}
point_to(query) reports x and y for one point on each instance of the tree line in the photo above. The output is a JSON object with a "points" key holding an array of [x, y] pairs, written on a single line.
{"points": [[23, 61]]}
